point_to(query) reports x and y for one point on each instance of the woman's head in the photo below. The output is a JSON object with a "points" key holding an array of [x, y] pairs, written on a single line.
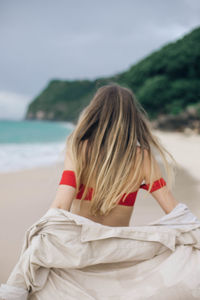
{"points": [[103, 146]]}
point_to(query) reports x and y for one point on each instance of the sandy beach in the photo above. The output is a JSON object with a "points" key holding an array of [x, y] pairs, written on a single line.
{"points": [[26, 195]]}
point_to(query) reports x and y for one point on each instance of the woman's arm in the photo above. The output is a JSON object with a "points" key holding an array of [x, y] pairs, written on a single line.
{"points": [[163, 195], [65, 193]]}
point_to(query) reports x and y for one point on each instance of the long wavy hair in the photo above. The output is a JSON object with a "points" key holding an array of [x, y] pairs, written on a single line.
{"points": [[113, 124]]}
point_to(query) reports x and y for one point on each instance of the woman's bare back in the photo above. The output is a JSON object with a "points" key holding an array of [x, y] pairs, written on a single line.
{"points": [[119, 216]]}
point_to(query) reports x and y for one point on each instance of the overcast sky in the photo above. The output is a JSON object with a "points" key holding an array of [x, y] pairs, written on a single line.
{"points": [[46, 39]]}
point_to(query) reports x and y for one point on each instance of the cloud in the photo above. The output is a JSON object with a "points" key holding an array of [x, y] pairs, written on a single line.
{"points": [[13, 106], [42, 40]]}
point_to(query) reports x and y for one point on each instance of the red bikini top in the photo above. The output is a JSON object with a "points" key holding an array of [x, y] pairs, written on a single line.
{"points": [[68, 178]]}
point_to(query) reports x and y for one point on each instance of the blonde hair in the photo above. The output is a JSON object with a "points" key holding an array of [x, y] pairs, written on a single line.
{"points": [[113, 123]]}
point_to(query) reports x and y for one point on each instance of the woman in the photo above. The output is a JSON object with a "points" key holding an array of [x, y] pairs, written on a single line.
{"points": [[83, 247], [111, 150]]}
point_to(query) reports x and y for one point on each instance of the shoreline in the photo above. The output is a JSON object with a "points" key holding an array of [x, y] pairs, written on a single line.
{"points": [[167, 138]]}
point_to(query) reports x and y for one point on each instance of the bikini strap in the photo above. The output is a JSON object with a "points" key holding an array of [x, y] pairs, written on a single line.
{"points": [[68, 178], [157, 184]]}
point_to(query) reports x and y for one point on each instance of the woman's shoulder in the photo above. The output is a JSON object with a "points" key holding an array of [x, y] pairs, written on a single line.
{"points": [[68, 162]]}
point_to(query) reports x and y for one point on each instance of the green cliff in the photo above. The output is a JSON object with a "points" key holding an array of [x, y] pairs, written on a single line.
{"points": [[165, 82]]}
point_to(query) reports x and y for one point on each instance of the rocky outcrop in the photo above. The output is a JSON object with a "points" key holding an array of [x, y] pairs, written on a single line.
{"points": [[187, 121]]}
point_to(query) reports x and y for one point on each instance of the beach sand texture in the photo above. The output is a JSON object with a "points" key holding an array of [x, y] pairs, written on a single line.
{"points": [[26, 195]]}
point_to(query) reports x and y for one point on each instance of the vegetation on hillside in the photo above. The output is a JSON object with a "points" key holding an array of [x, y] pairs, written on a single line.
{"points": [[165, 82]]}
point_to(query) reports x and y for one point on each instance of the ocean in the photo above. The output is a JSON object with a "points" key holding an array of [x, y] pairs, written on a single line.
{"points": [[29, 143]]}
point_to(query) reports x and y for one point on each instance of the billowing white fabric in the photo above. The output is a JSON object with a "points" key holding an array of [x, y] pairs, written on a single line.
{"points": [[66, 256]]}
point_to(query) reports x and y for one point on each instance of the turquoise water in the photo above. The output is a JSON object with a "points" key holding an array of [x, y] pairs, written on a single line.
{"points": [[27, 144], [33, 131]]}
